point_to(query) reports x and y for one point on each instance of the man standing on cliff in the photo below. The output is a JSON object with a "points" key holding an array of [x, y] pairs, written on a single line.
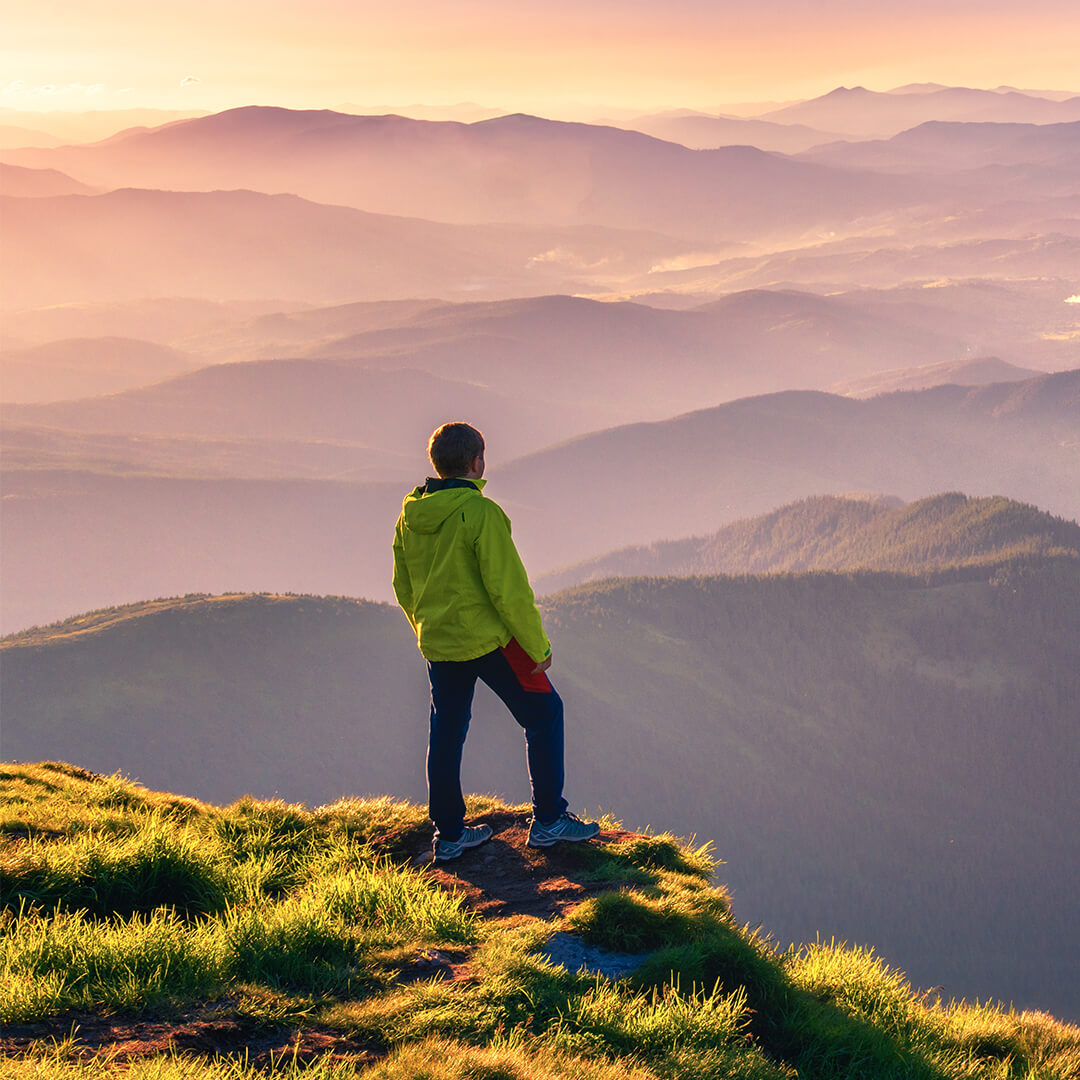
{"points": [[460, 581]]}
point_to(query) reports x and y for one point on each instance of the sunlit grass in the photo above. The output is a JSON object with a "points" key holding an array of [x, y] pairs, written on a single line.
{"points": [[122, 901]]}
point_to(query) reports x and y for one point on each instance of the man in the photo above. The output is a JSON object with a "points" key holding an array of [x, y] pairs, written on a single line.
{"points": [[460, 581]]}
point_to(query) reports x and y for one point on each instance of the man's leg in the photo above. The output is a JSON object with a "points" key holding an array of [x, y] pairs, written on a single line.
{"points": [[452, 685], [540, 713]]}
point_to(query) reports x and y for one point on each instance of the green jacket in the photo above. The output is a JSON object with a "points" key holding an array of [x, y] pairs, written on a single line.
{"points": [[459, 578]]}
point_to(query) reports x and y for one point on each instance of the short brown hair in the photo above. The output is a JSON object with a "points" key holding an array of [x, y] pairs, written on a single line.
{"points": [[453, 447]]}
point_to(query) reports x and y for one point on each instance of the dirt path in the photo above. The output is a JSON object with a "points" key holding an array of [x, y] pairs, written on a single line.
{"points": [[506, 877]]}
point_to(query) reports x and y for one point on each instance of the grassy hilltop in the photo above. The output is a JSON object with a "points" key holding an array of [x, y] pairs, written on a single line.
{"points": [[163, 937]]}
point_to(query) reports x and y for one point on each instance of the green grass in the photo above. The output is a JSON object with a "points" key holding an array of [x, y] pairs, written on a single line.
{"points": [[117, 900]]}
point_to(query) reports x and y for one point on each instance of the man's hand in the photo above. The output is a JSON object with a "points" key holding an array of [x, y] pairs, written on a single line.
{"points": [[542, 666]]}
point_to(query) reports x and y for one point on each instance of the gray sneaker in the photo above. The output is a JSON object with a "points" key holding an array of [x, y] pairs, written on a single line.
{"points": [[568, 827], [445, 850]]}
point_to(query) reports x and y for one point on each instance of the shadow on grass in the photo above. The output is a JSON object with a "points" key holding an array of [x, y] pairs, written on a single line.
{"points": [[791, 1025]]}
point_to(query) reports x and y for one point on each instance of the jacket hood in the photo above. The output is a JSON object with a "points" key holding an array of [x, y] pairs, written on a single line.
{"points": [[425, 511]]}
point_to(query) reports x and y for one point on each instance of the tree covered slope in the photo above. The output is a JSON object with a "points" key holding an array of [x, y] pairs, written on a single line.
{"points": [[862, 748], [831, 532]]}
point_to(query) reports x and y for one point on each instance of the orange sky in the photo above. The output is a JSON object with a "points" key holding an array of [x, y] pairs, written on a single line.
{"points": [[519, 54]]}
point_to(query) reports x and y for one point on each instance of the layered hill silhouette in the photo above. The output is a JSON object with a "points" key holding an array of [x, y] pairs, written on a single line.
{"points": [[941, 147], [702, 131], [16, 136], [831, 532], [26, 446], [79, 126], [818, 728], [81, 539], [1022, 323], [516, 168], [83, 367], [740, 342], [38, 183], [1023, 242], [163, 320], [393, 411], [689, 475], [244, 245], [571, 364], [979, 372], [859, 111]]}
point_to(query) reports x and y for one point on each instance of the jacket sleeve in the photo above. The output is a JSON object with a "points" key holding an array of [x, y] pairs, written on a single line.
{"points": [[507, 583], [402, 582]]}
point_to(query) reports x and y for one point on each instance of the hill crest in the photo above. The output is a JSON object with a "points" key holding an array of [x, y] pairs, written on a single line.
{"points": [[829, 532]]}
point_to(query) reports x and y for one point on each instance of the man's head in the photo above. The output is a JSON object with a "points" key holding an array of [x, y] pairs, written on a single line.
{"points": [[457, 449]]}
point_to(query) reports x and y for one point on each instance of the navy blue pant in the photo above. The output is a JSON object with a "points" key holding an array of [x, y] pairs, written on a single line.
{"points": [[540, 713]]}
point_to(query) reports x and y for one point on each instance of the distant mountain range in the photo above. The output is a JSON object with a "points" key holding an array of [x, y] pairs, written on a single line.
{"points": [[858, 111], [978, 372], [38, 183], [703, 132], [688, 476], [82, 367], [76, 126], [244, 245], [858, 328], [573, 365], [1017, 245], [80, 537], [186, 457], [13, 136], [818, 728], [163, 320], [318, 401], [386, 207], [941, 147], [830, 532], [520, 169]]}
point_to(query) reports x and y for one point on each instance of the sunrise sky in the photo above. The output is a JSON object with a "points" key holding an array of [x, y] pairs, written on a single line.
{"points": [[519, 54]]}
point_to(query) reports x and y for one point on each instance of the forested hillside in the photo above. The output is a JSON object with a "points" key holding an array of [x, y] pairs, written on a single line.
{"points": [[862, 749], [830, 532]]}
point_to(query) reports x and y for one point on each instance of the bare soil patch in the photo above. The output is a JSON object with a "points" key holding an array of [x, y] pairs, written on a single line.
{"points": [[506, 877]]}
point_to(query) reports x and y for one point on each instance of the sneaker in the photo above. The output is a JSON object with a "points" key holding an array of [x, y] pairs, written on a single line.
{"points": [[568, 827], [445, 850]]}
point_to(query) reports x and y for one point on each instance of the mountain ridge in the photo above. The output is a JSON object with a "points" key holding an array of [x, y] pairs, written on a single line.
{"points": [[844, 534], [315, 252], [82, 539], [560, 174]]}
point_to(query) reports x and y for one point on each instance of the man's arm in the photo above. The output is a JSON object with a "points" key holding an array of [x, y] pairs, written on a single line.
{"points": [[507, 584], [402, 582]]}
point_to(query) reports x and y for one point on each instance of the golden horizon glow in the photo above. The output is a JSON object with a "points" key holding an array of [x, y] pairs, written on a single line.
{"points": [[525, 56]]}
